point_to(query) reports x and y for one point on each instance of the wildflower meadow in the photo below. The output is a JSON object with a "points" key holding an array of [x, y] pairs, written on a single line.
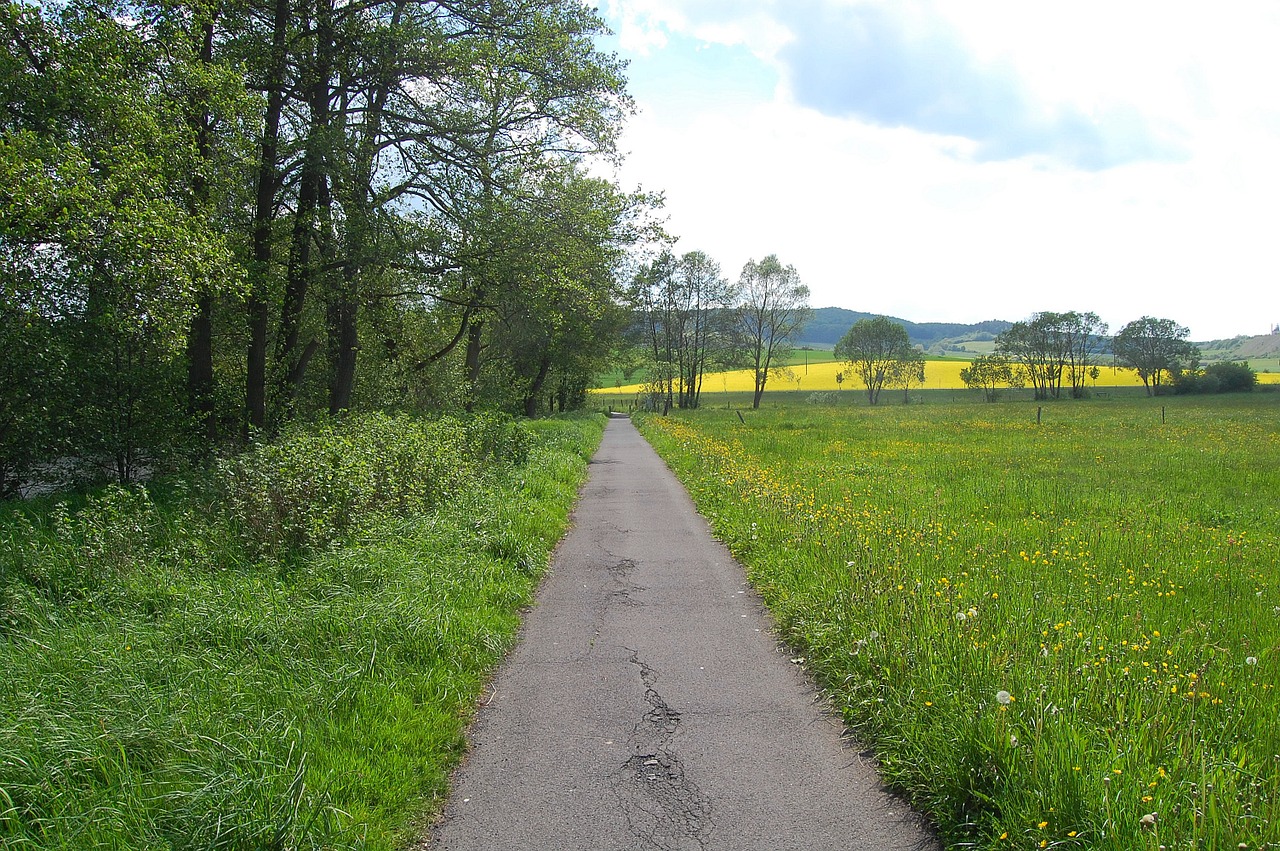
{"points": [[1064, 634]]}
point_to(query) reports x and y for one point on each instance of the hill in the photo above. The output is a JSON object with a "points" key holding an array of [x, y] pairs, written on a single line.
{"points": [[958, 339]]}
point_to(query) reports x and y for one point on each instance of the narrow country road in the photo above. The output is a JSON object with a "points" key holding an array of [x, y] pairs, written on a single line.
{"points": [[648, 706]]}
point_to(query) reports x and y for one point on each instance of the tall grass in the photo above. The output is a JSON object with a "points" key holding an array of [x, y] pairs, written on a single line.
{"points": [[1054, 635], [283, 658]]}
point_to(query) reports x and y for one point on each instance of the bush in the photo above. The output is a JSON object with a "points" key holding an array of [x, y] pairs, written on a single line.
{"points": [[823, 397], [319, 485], [1229, 377]]}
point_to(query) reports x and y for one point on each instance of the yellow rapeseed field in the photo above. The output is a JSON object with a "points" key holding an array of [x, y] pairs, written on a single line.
{"points": [[938, 375]]}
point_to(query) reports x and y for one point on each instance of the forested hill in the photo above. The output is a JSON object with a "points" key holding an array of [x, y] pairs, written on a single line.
{"points": [[829, 324]]}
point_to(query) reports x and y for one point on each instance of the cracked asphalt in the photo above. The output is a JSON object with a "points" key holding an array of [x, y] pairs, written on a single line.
{"points": [[649, 706]]}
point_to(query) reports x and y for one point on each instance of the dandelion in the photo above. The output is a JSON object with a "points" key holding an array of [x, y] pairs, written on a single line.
{"points": [[1004, 698], [1148, 821], [1013, 741], [960, 616], [973, 611], [1251, 660]]}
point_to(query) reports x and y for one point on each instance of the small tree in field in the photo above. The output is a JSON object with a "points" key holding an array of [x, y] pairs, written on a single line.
{"points": [[772, 308], [988, 372], [909, 373], [1156, 348], [877, 350]]}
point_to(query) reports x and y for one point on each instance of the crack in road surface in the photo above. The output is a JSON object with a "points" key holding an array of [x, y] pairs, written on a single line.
{"points": [[662, 805]]}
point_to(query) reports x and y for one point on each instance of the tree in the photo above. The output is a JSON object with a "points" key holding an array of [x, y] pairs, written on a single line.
{"points": [[1156, 348], [879, 352], [1050, 345], [101, 240], [1081, 335], [910, 373], [772, 308], [988, 372], [683, 306]]}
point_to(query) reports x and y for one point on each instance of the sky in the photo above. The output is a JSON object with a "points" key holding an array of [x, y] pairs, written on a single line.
{"points": [[970, 160]]}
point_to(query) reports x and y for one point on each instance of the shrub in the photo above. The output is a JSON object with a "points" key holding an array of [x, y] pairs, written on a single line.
{"points": [[1229, 377], [823, 397], [319, 485]]}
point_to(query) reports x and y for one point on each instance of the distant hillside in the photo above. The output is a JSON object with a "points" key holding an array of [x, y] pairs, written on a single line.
{"points": [[829, 324], [956, 339]]}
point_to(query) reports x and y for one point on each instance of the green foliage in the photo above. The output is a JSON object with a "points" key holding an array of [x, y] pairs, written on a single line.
{"points": [[988, 372], [1110, 571], [773, 307], [1052, 346], [324, 483], [162, 690], [1157, 349], [1229, 377], [880, 353]]}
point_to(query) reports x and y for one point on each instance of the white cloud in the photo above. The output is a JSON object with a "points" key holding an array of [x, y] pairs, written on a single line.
{"points": [[916, 224]]}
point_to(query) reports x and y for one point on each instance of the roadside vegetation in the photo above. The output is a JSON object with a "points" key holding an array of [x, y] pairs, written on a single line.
{"points": [[282, 655], [1057, 635]]}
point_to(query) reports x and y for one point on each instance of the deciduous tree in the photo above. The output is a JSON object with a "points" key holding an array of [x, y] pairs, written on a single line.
{"points": [[1157, 349], [878, 351], [772, 308], [988, 372]]}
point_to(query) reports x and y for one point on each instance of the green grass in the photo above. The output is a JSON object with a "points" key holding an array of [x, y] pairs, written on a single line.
{"points": [[1115, 575], [171, 683]]}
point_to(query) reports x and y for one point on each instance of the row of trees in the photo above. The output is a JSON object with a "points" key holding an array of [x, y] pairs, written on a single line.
{"points": [[216, 217], [1051, 351], [691, 319], [1054, 353]]}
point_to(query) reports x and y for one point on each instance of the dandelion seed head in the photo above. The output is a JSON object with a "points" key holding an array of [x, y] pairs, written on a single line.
{"points": [[1004, 698]]}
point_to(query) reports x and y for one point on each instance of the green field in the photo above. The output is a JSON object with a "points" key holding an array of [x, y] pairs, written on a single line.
{"points": [[1045, 632], [285, 657]]}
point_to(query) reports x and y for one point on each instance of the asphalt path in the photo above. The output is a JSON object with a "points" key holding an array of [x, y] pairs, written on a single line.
{"points": [[648, 704]]}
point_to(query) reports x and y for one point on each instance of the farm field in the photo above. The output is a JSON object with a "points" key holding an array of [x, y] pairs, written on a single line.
{"points": [[939, 375], [1064, 635]]}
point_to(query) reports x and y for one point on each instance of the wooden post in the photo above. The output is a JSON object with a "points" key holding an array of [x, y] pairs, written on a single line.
{"points": [[1038, 410], [1162, 415]]}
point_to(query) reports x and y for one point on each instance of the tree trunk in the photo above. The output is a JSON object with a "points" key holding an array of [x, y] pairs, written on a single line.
{"points": [[343, 343], [471, 365], [312, 229], [535, 388], [263, 217], [200, 386]]}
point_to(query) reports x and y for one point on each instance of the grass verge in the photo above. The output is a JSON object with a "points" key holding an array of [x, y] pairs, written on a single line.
{"points": [[182, 671], [1056, 635]]}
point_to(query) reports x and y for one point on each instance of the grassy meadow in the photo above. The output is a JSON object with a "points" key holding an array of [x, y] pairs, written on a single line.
{"points": [[1064, 635], [283, 657]]}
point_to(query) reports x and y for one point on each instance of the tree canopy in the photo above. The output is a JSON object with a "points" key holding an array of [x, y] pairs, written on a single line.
{"points": [[880, 353], [1157, 349], [215, 218], [773, 306]]}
